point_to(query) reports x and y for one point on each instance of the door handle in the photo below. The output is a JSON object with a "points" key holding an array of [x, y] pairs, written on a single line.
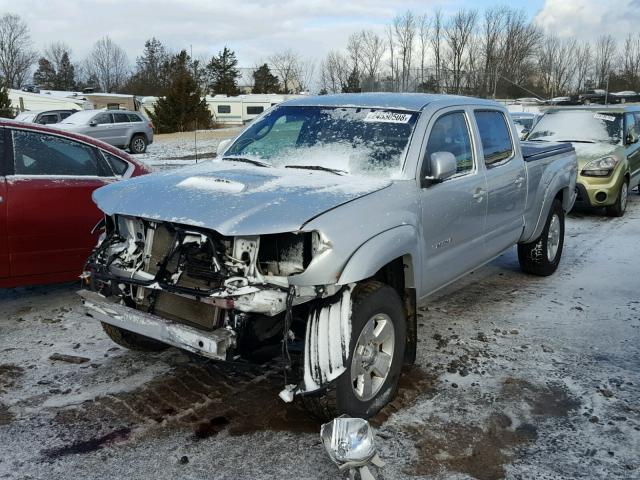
{"points": [[518, 181], [479, 194]]}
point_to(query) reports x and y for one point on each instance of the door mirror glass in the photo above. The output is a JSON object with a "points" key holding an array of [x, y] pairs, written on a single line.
{"points": [[93, 123], [443, 165], [632, 137], [222, 146]]}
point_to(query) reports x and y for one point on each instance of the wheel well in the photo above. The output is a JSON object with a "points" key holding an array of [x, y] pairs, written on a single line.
{"points": [[139, 134], [398, 274]]}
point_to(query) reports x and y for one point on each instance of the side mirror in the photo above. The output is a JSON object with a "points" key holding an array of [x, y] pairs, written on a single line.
{"points": [[632, 137], [443, 165], [523, 133], [93, 123], [222, 146]]}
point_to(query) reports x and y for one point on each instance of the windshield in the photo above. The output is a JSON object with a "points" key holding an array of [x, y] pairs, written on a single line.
{"points": [[524, 122], [589, 126], [363, 141]]}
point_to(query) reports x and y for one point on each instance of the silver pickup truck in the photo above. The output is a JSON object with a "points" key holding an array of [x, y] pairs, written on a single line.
{"points": [[317, 231]]}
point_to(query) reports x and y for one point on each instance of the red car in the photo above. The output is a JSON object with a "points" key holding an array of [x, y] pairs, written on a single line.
{"points": [[46, 211]]}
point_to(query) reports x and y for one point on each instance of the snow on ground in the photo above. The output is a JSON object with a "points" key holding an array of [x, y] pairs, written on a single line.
{"points": [[179, 149], [517, 377]]}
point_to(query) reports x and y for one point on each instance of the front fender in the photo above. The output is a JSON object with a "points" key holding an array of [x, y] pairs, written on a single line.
{"points": [[376, 252]]}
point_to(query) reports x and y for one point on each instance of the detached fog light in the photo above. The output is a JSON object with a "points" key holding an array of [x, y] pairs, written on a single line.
{"points": [[349, 443]]}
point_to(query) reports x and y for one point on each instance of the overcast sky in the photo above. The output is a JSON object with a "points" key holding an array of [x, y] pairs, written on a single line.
{"points": [[254, 29]]}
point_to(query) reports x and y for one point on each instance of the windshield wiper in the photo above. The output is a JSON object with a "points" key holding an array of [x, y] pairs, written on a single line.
{"points": [[318, 167], [574, 141], [258, 163]]}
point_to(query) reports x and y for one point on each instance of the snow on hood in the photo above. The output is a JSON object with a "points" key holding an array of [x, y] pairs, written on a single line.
{"points": [[234, 198], [587, 152]]}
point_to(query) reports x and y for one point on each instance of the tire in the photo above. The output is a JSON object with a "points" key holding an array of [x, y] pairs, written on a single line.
{"points": [[133, 341], [618, 208], [138, 144], [373, 303], [542, 256]]}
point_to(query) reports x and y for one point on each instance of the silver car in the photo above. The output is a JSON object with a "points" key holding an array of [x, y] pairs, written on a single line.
{"points": [[120, 128]]}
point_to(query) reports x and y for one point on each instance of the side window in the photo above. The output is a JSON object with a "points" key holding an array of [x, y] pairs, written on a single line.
{"points": [[494, 135], [118, 165], [120, 118], [48, 119], [133, 117], [255, 110], [64, 115], [224, 108], [40, 154], [630, 124], [103, 118], [4, 168], [450, 133]]}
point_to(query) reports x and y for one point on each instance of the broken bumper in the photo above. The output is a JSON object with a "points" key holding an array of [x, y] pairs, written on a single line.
{"points": [[216, 344]]}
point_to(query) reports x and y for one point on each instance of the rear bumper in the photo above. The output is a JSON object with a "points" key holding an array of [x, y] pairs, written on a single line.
{"points": [[216, 344]]}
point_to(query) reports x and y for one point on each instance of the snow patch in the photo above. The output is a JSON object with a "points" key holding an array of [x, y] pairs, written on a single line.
{"points": [[212, 184]]}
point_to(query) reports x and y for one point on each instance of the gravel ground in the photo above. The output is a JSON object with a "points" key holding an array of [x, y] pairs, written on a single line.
{"points": [[517, 377]]}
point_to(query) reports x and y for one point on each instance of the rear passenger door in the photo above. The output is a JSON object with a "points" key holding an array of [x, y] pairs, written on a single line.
{"points": [[454, 210], [121, 128], [50, 213], [4, 252], [506, 181]]}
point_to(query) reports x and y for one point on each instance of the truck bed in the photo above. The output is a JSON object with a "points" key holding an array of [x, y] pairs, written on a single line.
{"points": [[533, 151]]}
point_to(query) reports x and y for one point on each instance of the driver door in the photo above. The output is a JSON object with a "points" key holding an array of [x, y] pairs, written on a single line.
{"points": [[454, 210]]}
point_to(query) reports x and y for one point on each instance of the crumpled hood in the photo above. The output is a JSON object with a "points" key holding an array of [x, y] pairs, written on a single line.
{"points": [[234, 198], [586, 152]]}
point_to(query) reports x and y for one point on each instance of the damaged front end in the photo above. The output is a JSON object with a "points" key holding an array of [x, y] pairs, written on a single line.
{"points": [[222, 297]]}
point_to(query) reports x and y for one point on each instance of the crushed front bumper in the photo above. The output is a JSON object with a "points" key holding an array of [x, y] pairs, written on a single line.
{"points": [[216, 344]]}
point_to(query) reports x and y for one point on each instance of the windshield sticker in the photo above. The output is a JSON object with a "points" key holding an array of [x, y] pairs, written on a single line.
{"points": [[602, 116], [387, 117]]}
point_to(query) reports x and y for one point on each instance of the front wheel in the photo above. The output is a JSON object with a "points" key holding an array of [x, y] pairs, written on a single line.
{"points": [[542, 256], [378, 336], [618, 208]]}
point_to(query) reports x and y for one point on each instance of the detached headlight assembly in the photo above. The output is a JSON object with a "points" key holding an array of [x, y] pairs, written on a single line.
{"points": [[602, 167], [349, 443]]}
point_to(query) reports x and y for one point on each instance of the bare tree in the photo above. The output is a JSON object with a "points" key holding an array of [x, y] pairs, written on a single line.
{"points": [[16, 54], [458, 33], [107, 62], [630, 60], [423, 39], [373, 50], [55, 53], [557, 65], [334, 72], [584, 62], [604, 57], [355, 47], [392, 59], [294, 72], [493, 27], [404, 27], [437, 34]]}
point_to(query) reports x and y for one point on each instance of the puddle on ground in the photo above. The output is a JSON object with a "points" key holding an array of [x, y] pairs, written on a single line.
{"points": [[9, 373], [482, 451], [88, 446], [475, 451]]}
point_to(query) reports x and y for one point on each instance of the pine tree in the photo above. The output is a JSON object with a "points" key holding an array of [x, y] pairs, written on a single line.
{"points": [[353, 83], [5, 103], [45, 75], [264, 81], [150, 76], [182, 108], [223, 73], [66, 74]]}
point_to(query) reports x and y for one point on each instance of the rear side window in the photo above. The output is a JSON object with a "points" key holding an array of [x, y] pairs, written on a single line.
{"points": [[41, 154], [134, 118], [64, 115], [48, 119], [224, 108], [495, 137], [120, 118], [450, 133], [118, 165]]}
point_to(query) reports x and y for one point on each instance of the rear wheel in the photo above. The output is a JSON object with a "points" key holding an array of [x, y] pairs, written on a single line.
{"points": [[133, 341], [618, 208], [542, 256], [138, 144], [378, 336]]}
